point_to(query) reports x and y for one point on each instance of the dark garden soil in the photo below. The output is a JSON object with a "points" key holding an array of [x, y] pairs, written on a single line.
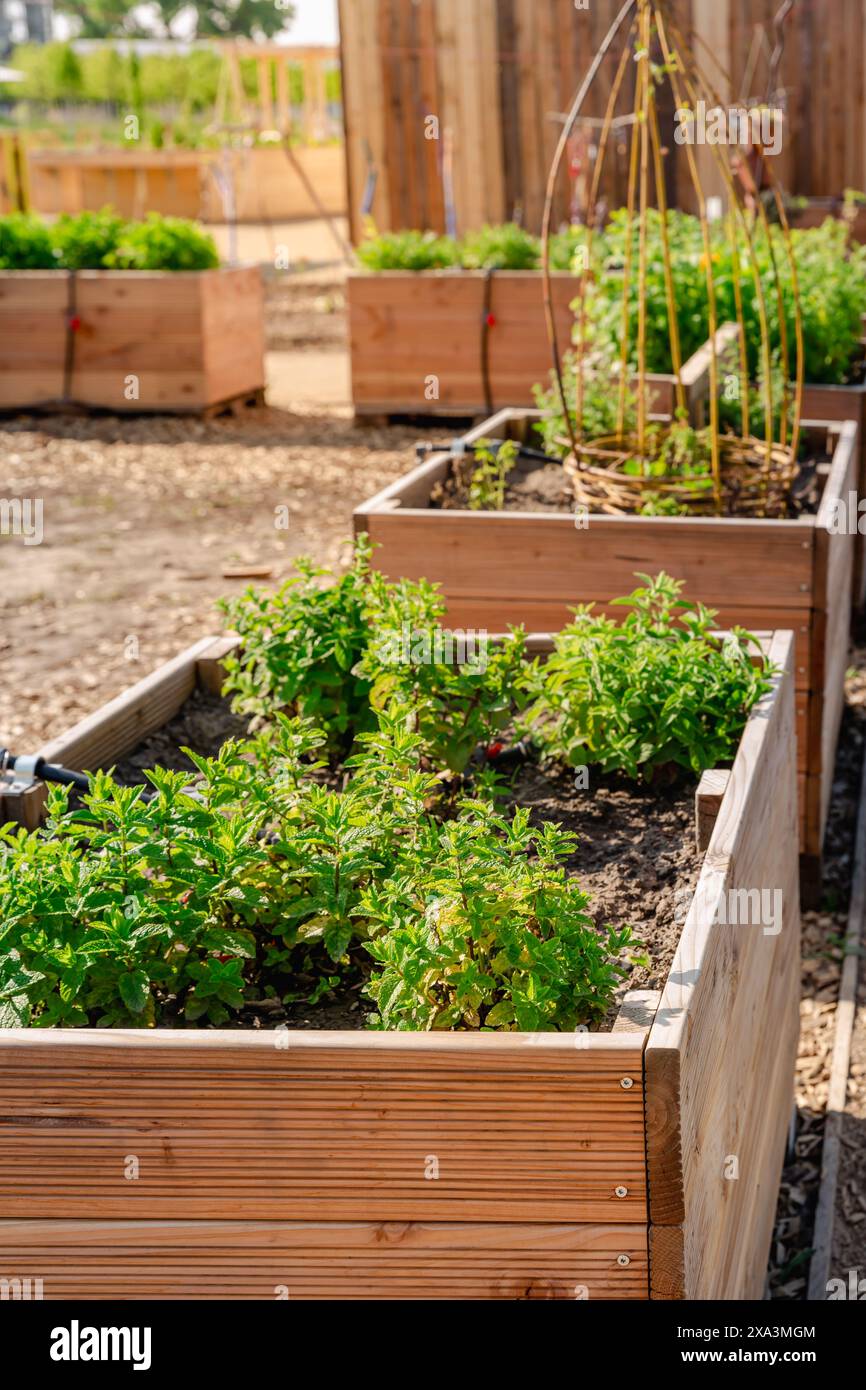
{"points": [[636, 858], [532, 486], [535, 486], [204, 724]]}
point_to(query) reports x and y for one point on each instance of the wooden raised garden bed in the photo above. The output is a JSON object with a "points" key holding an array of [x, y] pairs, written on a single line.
{"points": [[413, 334], [497, 568], [181, 340], [293, 1163], [840, 403], [813, 212], [133, 182]]}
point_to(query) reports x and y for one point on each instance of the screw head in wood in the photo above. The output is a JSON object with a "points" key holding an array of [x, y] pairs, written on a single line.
{"points": [[626, 1083], [620, 1191], [623, 1260]]}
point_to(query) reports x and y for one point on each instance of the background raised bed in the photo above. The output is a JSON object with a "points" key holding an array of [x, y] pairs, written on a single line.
{"points": [[416, 333], [497, 568], [192, 338]]}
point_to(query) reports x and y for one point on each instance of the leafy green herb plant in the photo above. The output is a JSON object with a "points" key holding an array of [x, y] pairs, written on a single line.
{"points": [[485, 930], [489, 476], [658, 689]]}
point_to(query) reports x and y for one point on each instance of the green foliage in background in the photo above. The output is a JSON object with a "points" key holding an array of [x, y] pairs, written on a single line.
{"points": [[86, 240], [25, 243], [507, 247], [408, 251], [99, 19], [164, 243], [831, 274], [104, 241], [181, 87], [504, 247]]}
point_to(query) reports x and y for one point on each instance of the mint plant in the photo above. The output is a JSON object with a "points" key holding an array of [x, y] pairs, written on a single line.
{"points": [[658, 689], [489, 470], [339, 654], [483, 929]]}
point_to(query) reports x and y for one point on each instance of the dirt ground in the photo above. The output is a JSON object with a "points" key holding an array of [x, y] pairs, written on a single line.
{"points": [[142, 516]]}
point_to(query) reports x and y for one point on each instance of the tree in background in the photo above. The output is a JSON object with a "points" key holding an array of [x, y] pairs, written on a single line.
{"points": [[168, 19], [101, 19]]}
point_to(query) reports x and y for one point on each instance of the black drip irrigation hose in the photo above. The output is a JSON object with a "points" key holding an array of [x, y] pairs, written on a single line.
{"points": [[502, 755], [48, 772], [73, 324], [487, 322], [524, 450]]}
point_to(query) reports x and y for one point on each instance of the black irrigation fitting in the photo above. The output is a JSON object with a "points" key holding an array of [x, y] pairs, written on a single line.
{"points": [[52, 772], [46, 772]]}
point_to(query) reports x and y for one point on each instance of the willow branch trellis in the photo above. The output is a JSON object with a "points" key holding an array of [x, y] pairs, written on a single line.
{"points": [[730, 471]]}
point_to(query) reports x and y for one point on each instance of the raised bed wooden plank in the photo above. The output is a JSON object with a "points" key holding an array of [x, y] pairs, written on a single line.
{"points": [[720, 1055], [846, 403], [392, 1260], [520, 1127], [104, 737]]}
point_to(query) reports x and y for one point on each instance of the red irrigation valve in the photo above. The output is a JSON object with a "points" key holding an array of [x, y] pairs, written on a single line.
{"points": [[490, 320], [74, 323]]}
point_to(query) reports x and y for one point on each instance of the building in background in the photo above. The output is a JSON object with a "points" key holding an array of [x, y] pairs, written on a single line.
{"points": [[25, 21]]}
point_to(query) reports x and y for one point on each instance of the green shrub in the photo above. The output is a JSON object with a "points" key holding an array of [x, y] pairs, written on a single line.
{"points": [[505, 247], [410, 250], [87, 240], [103, 241], [483, 929], [342, 653], [25, 243], [831, 273], [164, 243]]}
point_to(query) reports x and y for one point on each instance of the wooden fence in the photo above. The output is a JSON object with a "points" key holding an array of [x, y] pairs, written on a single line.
{"points": [[498, 76]]}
